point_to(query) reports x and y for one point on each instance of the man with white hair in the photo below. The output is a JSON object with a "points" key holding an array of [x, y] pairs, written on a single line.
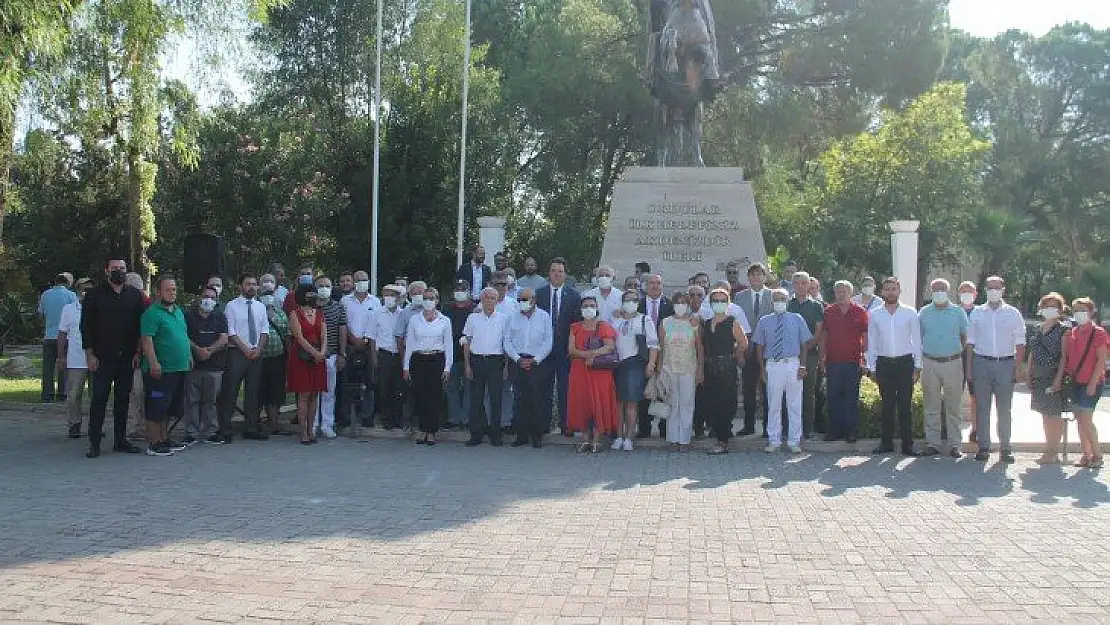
{"points": [[484, 352], [943, 340], [814, 315], [996, 340], [608, 297], [384, 355], [416, 307], [843, 341], [783, 340]]}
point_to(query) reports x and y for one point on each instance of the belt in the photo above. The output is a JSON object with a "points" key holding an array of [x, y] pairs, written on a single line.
{"points": [[902, 357], [430, 352], [487, 355], [382, 349], [787, 359], [944, 358], [993, 358]]}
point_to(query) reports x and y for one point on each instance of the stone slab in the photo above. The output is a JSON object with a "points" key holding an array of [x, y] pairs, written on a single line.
{"points": [[682, 220]]}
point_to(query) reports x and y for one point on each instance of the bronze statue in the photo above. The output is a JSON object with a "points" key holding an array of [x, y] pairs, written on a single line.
{"points": [[683, 74]]}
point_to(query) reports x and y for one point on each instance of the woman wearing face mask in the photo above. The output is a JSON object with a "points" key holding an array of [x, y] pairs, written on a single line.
{"points": [[724, 346], [866, 297], [591, 396], [428, 359], [681, 355], [1085, 364], [1045, 347], [634, 330], [271, 388], [306, 374]]}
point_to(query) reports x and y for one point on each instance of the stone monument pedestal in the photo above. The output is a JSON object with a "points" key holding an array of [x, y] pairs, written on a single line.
{"points": [[682, 220]]}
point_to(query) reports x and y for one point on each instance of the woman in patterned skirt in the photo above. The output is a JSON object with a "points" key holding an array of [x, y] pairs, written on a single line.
{"points": [[1046, 372]]}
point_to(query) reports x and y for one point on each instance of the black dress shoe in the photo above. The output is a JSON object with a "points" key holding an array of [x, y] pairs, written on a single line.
{"points": [[94, 451], [75, 430], [474, 442], [851, 439], [537, 445], [255, 436], [883, 449], [495, 442], [126, 448], [909, 451], [745, 432], [930, 451], [955, 453], [642, 435], [764, 434], [1006, 457], [983, 455], [830, 437], [520, 442]]}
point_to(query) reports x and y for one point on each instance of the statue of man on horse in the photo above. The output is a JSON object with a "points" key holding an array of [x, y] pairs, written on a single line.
{"points": [[683, 74]]}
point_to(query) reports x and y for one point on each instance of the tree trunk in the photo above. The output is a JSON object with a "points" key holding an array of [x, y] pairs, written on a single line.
{"points": [[7, 137], [137, 251]]}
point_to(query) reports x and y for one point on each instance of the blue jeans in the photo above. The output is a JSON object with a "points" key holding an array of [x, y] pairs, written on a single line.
{"points": [[458, 394], [843, 397]]}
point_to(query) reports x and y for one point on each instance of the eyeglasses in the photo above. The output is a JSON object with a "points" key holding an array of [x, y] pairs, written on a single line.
{"points": [[523, 299], [500, 284]]}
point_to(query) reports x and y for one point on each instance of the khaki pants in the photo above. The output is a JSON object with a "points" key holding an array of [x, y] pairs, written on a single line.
{"points": [[942, 384], [76, 381]]}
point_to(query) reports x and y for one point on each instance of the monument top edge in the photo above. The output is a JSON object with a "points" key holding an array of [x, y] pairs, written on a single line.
{"points": [[702, 175]]}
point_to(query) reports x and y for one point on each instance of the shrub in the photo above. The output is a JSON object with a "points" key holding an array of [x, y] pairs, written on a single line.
{"points": [[18, 321], [870, 411]]}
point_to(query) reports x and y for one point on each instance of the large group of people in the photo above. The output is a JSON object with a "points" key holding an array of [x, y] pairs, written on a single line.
{"points": [[506, 355]]}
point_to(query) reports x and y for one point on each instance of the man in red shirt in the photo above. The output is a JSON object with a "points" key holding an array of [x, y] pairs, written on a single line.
{"points": [[843, 341]]}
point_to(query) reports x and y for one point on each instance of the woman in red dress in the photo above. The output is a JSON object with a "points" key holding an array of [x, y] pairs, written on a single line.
{"points": [[306, 374], [591, 394]]}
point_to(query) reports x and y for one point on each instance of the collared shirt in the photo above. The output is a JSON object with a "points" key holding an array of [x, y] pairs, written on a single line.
{"points": [[795, 334], [486, 333], [335, 315], [529, 335], [941, 329], [167, 330], [628, 329], [476, 286], [653, 308], [359, 313], [734, 311], [608, 306], [382, 328], [71, 325], [110, 321], [401, 329], [458, 312], [534, 282], [508, 306], [425, 336], [875, 303], [236, 312], [204, 332], [813, 312], [996, 332], [280, 293], [279, 331], [893, 335], [845, 333], [51, 303]]}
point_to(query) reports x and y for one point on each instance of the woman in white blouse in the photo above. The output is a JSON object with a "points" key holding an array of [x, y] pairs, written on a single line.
{"points": [[428, 360], [634, 369]]}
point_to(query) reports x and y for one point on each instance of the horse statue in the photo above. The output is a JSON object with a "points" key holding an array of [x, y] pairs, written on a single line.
{"points": [[682, 74]]}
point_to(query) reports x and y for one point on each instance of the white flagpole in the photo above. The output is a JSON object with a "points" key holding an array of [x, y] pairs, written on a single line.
{"points": [[462, 144], [377, 153]]}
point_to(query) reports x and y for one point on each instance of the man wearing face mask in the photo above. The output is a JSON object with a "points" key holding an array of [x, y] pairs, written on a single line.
{"points": [[216, 283], [943, 340], [814, 315], [71, 357], [384, 357], [475, 272], [530, 279], [484, 353], [458, 387], [415, 307], [271, 387], [866, 298], [510, 308], [967, 294], [996, 341], [247, 331], [607, 295], [305, 275], [208, 340], [335, 316], [277, 270], [528, 341], [782, 340], [360, 306]]}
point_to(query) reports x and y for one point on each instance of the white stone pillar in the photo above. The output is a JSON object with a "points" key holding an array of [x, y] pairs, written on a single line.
{"points": [[491, 235], [903, 249]]}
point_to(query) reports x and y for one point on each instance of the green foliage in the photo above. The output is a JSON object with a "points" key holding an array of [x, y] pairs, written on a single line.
{"points": [[870, 411], [18, 321]]}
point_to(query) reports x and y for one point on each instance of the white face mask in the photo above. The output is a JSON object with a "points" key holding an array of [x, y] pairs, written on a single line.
{"points": [[268, 285], [390, 301], [525, 306], [323, 292], [510, 281], [780, 307], [418, 300], [428, 304], [630, 307], [680, 310], [967, 299], [1082, 317], [589, 313], [868, 290], [604, 282], [208, 304], [1050, 313], [940, 297], [719, 308], [461, 296], [362, 286], [994, 295]]}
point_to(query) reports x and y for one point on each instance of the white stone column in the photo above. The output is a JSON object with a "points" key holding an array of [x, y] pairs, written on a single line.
{"points": [[903, 249], [491, 235]]}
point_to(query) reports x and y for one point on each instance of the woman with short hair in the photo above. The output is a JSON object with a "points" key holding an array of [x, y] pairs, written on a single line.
{"points": [[1045, 346], [724, 345], [681, 353], [306, 373], [633, 328], [429, 355], [1085, 363]]}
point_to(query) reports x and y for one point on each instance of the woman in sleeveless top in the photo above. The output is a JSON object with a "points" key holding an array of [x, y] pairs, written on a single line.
{"points": [[1085, 363], [724, 344], [1045, 346], [306, 373], [682, 359]]}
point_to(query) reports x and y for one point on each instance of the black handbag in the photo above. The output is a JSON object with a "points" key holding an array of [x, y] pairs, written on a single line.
{"points": [[641, 340]]}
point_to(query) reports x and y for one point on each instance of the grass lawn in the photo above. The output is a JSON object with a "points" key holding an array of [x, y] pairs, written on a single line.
{"points": [[24, 390]]}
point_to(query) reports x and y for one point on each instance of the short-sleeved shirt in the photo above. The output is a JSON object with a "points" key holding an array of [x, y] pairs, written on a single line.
{"points": [[51, 303], [71, 325], [844, 334], [170, 335], [204, 332], [795, 333], [335, 315], [1077, 344], [279, 331], [813, 312], [941, 329]]}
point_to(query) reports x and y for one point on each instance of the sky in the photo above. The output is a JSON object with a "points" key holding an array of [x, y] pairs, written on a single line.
{"points": [[985, 18]]}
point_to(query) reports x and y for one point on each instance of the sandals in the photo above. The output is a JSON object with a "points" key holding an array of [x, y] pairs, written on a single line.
{"points": [[1083, 462], [1046, 459], [1096, 462], [583, 448]]}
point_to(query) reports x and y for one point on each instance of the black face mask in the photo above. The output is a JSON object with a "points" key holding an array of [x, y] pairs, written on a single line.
{"points": [[117, 276]]}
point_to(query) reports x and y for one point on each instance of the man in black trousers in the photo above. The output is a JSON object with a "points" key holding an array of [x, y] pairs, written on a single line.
{"points": [[110, 336], [484, 351], [564, 305], [657, 307]]}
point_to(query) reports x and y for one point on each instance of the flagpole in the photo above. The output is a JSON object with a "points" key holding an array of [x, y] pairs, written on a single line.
{"points": [[377, 153], [462, 144]]}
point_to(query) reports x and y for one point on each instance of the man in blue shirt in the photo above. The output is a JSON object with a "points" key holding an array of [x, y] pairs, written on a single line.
{"points": [[782, 345], [51, 303], [943, 339]]}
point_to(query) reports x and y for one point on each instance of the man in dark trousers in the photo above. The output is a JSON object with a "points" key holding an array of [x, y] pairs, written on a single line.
{"points": [[564, 305], [476, 273], [110, 335], [756, 302], [657, 307]]}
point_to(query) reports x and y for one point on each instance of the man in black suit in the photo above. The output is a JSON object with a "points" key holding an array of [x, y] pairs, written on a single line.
{"points": [[476, 273], [657, 307], [564, 304]]}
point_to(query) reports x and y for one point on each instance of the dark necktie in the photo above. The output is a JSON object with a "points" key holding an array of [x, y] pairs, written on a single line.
{"points": [[555, 308], [252, 331], [776, 352], [755, 309]]}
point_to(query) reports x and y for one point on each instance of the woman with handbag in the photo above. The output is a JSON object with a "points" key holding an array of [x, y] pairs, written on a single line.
{"points": [[681, 355], [1045, 347], [638, 349], [724, 345], [306, 373], [1084, 373], [591, 396]]}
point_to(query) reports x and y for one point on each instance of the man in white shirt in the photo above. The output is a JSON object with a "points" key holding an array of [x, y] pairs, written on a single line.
{"points": [[894, 360], [71, 357], [415, 307], [996, 343], [247, 329], [384, 355], [484, 353], [528, 342], [608, 297], [507, 306], [360, 306]]}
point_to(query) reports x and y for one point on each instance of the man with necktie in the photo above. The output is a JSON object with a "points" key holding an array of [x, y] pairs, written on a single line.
{"points": [[783, 340], [563, 305], [756, 304], [248, 327]]}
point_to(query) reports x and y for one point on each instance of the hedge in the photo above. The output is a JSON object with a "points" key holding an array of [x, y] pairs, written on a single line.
{"points": [[870, 411]]}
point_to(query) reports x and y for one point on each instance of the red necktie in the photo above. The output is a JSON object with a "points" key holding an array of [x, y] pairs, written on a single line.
{"points": [[655, 311]]}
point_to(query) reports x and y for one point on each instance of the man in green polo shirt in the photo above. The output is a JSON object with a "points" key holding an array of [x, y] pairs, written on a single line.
{"points": [[814, 315], [167, 358]]}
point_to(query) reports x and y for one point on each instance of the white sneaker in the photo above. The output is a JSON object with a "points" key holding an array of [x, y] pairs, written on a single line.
{"points": [[795, 449], [628, 444], [617, 444], [771, 449], [328, 432]]}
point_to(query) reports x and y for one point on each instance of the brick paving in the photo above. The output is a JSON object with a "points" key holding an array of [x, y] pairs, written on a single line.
{"points": [[376, 530]]}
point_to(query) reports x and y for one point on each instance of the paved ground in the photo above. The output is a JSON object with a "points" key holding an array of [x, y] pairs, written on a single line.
{"points": [[386, 531]]}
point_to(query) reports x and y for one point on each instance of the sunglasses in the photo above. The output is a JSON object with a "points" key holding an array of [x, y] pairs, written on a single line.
{"points": [[523, 299]]}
